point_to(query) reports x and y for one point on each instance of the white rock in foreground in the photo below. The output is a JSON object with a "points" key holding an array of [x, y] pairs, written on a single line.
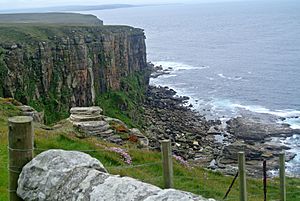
{"points": [[72, 175]]}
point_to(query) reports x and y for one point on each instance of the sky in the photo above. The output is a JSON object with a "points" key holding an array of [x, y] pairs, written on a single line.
{"points": [[21, 4]]}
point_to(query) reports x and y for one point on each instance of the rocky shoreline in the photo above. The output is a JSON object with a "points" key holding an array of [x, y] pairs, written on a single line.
{"points": [[166, 117], [211, 143]]}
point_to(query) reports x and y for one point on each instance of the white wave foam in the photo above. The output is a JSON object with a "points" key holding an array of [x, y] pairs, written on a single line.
{"points": [[259, 109], [292, 117], [293, 122], [203, 67], [221, 75], [210, 78], [229, 78], [169, 75], [293, 166], [176, 66]]}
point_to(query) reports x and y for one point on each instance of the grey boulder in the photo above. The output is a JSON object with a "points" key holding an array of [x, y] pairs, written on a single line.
{"points": [[75, 176]]}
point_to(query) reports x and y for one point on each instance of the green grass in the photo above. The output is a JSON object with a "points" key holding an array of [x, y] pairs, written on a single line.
{"points": [[50, 18], [20, 33], [196, 180]]}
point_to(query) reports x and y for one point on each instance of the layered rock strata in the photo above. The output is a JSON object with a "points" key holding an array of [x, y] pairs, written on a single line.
{"points": [[89, 121], [59, 67]]}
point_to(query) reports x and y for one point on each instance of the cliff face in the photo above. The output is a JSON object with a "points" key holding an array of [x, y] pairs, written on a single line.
{"points": [[68, 66]]}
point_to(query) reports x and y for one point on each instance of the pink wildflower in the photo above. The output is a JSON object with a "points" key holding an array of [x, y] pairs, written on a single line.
{"points": [[180, 160], [126, 157]]}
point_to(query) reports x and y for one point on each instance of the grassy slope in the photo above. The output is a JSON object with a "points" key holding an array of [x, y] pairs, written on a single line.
{"points": [[196, 180], [125, 104]]}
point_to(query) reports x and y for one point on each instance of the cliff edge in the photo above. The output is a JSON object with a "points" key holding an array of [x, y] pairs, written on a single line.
{"points": [[50, 18], [55, 67]]}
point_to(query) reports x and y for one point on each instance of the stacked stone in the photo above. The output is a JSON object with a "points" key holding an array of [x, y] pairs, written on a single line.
{"points": [[31, 112], [90, 121]]}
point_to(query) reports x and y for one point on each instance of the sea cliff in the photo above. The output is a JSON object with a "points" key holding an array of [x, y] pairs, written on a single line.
{"points": [[55, 67]]}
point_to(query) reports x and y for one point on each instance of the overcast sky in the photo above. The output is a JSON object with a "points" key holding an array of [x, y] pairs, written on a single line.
{"points": [[17, 4]]}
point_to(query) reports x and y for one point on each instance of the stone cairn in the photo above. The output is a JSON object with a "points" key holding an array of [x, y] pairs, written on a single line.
{"points": [[88, 120], [31, 112]]}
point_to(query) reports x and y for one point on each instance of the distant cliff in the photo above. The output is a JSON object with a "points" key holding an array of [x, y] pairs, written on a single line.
{"points": [[57, 67], [50, 18]]}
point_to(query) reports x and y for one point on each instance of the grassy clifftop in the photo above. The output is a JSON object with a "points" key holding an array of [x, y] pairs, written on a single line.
{"points": [[50, 18], [47, 26], [20, 33], [146, 165]]}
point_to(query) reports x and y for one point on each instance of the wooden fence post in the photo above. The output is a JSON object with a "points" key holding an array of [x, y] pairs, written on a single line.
{"points": [[265, 179], [282, 176], [167, 163], [20, 150], [242, 176]]}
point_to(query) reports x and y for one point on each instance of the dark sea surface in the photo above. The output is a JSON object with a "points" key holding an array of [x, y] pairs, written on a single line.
{"points": [[230, 58]]}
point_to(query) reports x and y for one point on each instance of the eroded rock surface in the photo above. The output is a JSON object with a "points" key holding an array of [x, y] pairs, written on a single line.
{"points": [[72, 175], [49, 173], [256, 129], [30, 111], [83, 114], [90, 122]]}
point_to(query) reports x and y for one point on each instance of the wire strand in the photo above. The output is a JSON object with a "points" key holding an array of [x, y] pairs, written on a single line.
{"points": [[20, 150]]}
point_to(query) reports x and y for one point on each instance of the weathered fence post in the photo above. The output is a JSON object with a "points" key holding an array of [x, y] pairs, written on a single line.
{"points": [[167, 163], [265, 179], [282, 176], [242, 176], [20, 150]]}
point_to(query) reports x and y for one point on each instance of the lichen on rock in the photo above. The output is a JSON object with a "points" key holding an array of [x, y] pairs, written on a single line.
{"points": [[71, 175]]}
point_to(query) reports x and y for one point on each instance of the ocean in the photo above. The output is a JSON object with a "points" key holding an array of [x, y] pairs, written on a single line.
{"points": [[229, 58]]}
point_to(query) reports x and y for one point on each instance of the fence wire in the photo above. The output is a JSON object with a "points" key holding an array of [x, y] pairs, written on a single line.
{"points": [[200, 181]]}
